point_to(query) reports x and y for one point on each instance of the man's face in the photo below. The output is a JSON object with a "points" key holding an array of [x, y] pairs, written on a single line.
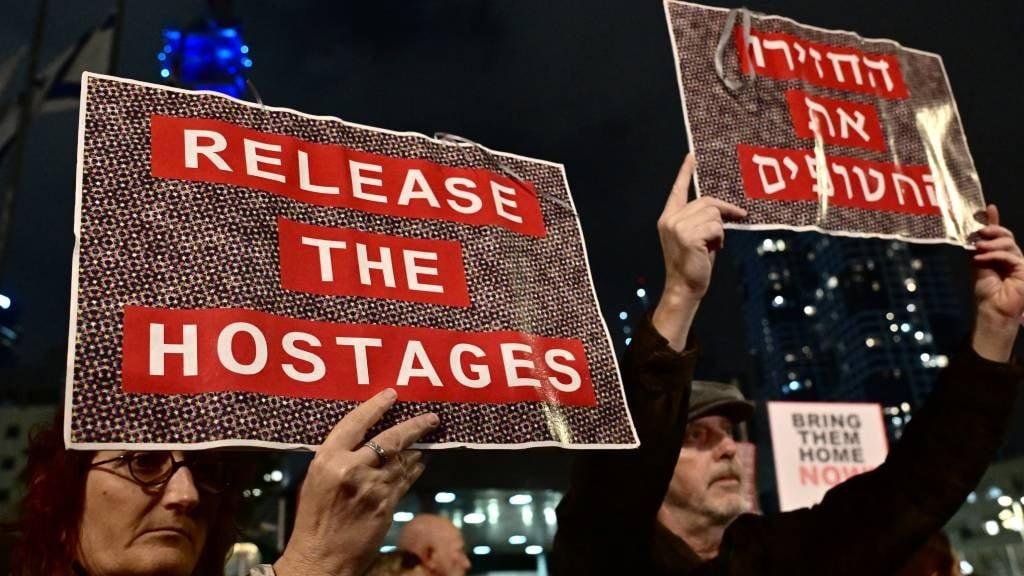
{"points": [[708, 479], [448, 557]]}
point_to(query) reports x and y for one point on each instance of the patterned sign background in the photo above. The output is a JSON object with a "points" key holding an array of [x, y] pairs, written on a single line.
{"points": [[757, 114], [195, 245]]}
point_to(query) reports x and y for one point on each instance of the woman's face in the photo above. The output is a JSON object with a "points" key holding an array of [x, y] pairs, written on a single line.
{"points": [[130, 529]]}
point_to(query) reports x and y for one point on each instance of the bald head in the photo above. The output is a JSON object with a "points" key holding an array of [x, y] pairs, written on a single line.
{"points": [[437, 543]]}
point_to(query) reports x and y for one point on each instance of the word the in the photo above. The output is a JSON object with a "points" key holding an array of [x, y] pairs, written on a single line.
{"points": [[345, 262]]}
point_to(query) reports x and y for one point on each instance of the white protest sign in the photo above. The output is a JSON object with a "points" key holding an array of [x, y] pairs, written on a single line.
{"points": [[818, 445]]}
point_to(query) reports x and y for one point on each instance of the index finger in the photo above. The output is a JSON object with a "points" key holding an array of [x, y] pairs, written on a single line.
{"points": [[681, 187], [399, 437], [351, 430], [728, 210]]}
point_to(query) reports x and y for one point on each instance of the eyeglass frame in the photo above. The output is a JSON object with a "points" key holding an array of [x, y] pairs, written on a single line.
{"points": [[201, 484]]}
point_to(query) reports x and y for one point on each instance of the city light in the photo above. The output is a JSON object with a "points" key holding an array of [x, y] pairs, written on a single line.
{"points": [[474, 518], [533, 550], [870, 342], [550, 517], [386, 549], [444, 497], [276, 476], [481, 550], [966, 567], [402, 516], [517, 539], [623, 315], [5, 302], [992, 527], [641, 293], [520, 499], [810, 310], [778, 301], [1005, 500]]}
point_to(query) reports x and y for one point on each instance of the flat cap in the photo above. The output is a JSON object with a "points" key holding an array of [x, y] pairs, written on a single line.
{"points": [[718, 399]]}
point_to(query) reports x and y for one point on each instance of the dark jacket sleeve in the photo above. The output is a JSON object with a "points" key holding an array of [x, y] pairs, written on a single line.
{"points": [[606, 518], [872, 523]]}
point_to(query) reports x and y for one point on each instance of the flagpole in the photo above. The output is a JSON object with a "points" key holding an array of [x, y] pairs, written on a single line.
{"points": [[24, 118]]}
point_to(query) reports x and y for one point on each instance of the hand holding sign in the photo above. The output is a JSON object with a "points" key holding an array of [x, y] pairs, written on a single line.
{"points": [[998, 289], [690, 234], [346, 502]]}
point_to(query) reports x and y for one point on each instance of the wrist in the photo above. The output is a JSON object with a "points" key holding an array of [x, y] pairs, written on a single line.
{"points": [[289, 566], [994, 340], [674, 315]]}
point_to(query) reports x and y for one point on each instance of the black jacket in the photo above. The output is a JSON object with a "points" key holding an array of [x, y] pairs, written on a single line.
{"points": [[867, 526]]}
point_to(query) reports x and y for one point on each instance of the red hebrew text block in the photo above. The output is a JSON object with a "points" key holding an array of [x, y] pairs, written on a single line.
{"points": [[345, 262], [787, 57], [837, 121], [792, 176], [197, 351], [198, 149]]}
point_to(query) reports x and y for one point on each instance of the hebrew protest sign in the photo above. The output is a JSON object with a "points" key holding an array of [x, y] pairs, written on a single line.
{"points": [[245, 275], [817, 445], [813, 129]]}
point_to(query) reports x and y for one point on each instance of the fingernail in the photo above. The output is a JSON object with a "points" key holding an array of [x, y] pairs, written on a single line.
{"points": [[433, 420], [390, 394]]}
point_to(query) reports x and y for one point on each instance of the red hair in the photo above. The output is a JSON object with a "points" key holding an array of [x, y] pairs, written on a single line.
{"points": [[51, 511]]}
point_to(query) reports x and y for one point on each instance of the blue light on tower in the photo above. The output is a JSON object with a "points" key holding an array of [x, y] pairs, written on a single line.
{"points": [[206, 56]]}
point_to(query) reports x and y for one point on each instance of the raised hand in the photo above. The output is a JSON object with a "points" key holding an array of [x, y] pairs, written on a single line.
{"points": [[348, 497], [690, 234], [998, 289]]}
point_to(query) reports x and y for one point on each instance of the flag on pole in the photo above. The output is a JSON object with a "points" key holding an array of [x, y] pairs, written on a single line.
{"points": [[9, 67], [58, 87], [61, 82]]}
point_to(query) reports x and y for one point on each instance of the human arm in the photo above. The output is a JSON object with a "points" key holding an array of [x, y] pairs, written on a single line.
{"points": [[606, 519], [346, 501], [873, 522]]}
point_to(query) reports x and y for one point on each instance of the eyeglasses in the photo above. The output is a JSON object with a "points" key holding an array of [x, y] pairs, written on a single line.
{"points": [[152, 469]]}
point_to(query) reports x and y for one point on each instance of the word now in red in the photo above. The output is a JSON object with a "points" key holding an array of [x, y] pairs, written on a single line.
{"points": [[787, 57], [199, 149], [792, 176], [196, 351], [346, 262], [841, 122]]}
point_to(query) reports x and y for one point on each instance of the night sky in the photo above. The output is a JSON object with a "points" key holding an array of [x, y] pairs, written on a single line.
{"points": [[591, 85]]}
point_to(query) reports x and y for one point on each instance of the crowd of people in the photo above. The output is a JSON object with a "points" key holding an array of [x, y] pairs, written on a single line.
{"points": [[679, 504]]}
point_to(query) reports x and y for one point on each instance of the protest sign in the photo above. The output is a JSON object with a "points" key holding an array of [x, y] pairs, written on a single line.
{"points": [[813, 129], [817, 445], [245, 275]]}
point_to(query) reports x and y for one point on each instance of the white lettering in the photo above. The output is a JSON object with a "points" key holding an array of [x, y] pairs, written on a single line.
{"points": [[227, 355], [318, 371]]}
